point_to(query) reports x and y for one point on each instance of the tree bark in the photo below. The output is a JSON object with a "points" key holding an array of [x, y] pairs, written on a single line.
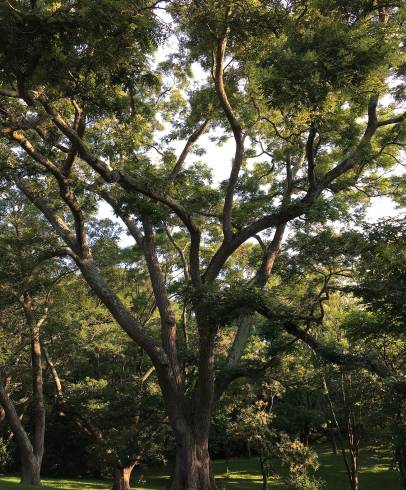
{"points": [[332, 437], [122, 477], [30, 469], [38, 392], [400, 455], [354, 479], [30, 466], [354, 471], [190, 422], [264, 473], [399, 432], [37, 378], [31, 453], [192, 470]]}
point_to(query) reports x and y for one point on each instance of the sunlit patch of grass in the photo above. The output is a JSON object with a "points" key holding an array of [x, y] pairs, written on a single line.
{"points": [[11, 483], [244, 474], [374, 474]]}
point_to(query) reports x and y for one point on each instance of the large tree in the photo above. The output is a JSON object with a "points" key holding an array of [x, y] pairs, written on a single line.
{"points": [[298, 85]]}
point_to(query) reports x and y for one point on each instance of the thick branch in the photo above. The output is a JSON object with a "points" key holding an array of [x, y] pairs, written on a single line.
{"points": [[285, 214], [16, 425], [393, 120], [294, 210], [98, 284], [310, 156], [270, 255], [79, 126], [245, 320], [125, 180], [231, 373], [335, 355], [156, 276], [66, 190], [57, 223], [168, 319], [121, 314], [357, 154], [238, 135]]}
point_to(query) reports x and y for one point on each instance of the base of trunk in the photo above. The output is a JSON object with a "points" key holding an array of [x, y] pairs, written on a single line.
{"points": [[400, 455], [333, 441], [122, 478], [264, 473], [193, 470], [31, 472]]}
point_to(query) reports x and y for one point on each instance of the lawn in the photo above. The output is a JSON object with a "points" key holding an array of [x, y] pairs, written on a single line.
{"points": [[243, 474]]}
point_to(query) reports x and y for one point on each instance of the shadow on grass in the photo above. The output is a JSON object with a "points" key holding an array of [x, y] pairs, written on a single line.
{"points": [[374, 471]]}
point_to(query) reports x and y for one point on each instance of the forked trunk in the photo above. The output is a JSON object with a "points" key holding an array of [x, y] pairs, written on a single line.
{"points": [[122, 477]]}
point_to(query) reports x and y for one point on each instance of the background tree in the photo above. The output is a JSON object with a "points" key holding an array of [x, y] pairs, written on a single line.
{"points": [[27, 280]]}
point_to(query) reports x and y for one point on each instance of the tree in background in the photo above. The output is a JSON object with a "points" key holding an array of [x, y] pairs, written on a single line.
{"points": [[27, 281], [110, 401], [359, 309], [381, 287], [105, 385]]}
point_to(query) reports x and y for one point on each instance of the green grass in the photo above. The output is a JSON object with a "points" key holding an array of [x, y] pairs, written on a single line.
{"points": [[243, 474]]}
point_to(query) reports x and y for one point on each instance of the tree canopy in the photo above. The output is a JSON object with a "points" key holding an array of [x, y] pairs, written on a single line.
{"points": [[224, 278]]}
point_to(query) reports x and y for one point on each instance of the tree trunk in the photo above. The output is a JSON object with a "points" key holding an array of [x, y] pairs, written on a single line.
{"points": [[206, 475], [193, 470], [354, 474], [264, 473], [30, 469], [306, 433], [30, 464], [189, 417], [37, 382], [400, 455], [38, 394], [245, 323], [191, 421], [400, 439], [122, 477], [353, 446], [333, 440]]}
